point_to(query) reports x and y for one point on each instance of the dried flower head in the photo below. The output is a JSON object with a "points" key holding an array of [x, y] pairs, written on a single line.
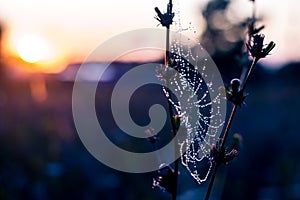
{"points": [[165, 19], [252, 30], [224, 156], [257, 48], [230, 156], [234, 92]]}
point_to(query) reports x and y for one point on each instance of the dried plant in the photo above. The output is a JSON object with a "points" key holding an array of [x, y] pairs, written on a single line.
{"points": [[219, 154]]}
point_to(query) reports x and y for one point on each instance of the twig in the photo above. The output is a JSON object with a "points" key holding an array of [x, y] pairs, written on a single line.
{"points": [[166, 20], [254, 62], [214, 172], [171, 113], [226, 132]]}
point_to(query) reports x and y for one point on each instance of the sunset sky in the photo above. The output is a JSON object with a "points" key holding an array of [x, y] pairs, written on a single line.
{"points": [[67, 31]]}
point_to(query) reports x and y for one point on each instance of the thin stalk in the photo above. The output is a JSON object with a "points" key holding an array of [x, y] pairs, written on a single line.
{"points": [[171, 112], [226, 132], [253, 11], [216, 166], [167, 56], [173, 130], [254, 62], [171, 115]]}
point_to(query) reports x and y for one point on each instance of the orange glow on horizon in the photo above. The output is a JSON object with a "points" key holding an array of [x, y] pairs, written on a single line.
{"points": [[72, 31], [34, 53]]}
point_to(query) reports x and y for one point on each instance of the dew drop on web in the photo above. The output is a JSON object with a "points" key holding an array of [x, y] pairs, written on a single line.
{"points": [[199, 111]]}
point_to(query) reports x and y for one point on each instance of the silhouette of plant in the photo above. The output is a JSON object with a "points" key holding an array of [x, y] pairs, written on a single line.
{"points": [[256, 49]]}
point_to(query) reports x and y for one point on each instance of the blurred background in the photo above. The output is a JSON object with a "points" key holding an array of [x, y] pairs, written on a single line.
{"points": [[43, 43]]}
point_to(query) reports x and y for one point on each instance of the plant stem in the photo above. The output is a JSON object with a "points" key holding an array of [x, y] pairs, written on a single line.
{"points": [[171, 116], [254, 62], [214, 172], [226, 132], [173, 130], [171, 113], [253, 11]]}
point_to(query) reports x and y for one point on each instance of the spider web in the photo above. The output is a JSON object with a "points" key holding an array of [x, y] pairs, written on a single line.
{"points": [[196, 101], [199, 112]]}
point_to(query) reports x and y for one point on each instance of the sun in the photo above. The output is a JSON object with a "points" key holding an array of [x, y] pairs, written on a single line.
{"points": [[35, 52], [32, 48]]}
